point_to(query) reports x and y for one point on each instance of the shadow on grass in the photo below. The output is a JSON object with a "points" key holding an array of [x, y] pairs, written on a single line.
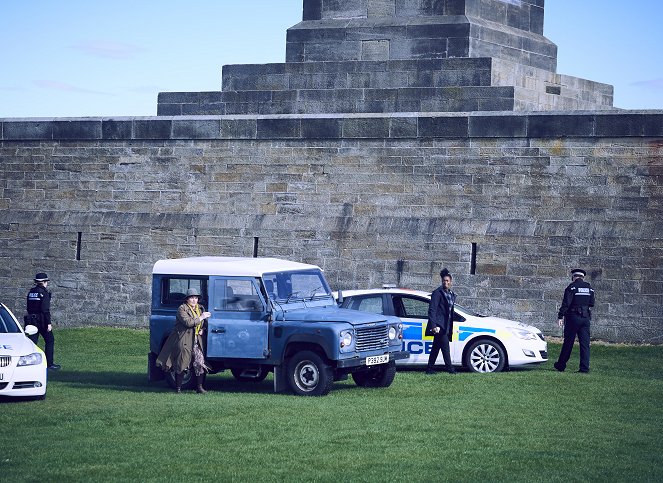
{"points": [[136, 382]]}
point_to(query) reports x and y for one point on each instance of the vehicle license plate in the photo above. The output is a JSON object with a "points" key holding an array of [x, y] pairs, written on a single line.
{"points": [[373, 360]]}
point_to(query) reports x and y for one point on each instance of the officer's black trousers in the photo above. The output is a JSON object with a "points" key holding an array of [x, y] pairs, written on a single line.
{"points": [[49, 343], [574, 325], [440, 342]]}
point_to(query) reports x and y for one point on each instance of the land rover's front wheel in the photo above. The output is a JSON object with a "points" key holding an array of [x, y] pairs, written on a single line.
{"points": [[378, 376], [309, 375]]}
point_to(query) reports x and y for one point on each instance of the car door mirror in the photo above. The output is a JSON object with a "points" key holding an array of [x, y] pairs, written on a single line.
{"points": [[31, 330]]}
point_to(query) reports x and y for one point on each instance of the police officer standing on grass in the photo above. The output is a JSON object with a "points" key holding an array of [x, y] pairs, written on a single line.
{"points": [[39, 315], [440, 322], [574, 315]]}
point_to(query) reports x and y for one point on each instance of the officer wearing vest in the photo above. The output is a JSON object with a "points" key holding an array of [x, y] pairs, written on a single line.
{"points": [[39, 315], [575, 315]]}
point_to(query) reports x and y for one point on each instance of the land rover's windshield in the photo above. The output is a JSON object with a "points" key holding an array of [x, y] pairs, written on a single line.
{"points": [[297, 286]]}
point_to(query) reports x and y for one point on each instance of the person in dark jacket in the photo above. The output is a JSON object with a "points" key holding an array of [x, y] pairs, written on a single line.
{"points": [[183, 348], [440, 322], [39, 315], [575, 316]]}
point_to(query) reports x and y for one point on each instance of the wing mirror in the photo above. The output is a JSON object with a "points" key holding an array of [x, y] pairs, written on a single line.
{"points": [[31, 330]]}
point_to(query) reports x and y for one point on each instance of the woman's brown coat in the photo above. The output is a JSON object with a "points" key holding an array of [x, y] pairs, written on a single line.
{"points": [[177, 351]]}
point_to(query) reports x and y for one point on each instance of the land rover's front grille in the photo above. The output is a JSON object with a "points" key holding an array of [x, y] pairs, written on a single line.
{"points": [[372, 338], [5, 361]]}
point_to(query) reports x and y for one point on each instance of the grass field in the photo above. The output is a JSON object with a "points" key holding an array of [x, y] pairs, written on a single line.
{"points": [[101, 421]]}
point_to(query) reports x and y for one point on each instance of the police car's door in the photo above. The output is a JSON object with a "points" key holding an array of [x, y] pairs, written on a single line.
{"points": [[238, 327], [413, 312]]}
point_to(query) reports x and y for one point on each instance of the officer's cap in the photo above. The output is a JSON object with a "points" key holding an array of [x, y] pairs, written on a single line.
{"points": [[578, 272], [41, 277], [192, 292]]}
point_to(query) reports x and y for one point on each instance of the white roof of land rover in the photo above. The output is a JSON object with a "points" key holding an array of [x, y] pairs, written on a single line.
{"points": [[227, 266]]}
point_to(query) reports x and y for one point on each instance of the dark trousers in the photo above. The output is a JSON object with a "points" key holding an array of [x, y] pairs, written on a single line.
{"points": [[49, 343], [575, 326], [440, 342]]}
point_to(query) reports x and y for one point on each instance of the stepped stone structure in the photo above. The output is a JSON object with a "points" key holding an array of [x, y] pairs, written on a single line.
{"points": [[399, 136], [350, 56]]}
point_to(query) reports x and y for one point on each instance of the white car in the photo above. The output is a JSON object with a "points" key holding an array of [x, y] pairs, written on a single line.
{"points": [[22, 363], [479, 343]]}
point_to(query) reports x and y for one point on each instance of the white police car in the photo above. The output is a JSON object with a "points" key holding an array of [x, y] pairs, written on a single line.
{"points": [[22, 363], [480, 343]]}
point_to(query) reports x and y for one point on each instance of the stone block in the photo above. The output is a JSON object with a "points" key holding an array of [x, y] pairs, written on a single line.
{"points": [[278, 128], [73, 130], [375, 128], [403, 127], [152, 129], [498, 126], [116, 129], [551, 126], [443, 127], [196, 129], [24, 130], [321, 128]]}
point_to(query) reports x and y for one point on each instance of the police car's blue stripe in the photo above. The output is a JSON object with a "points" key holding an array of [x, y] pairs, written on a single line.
{"points": [[465, 332]]}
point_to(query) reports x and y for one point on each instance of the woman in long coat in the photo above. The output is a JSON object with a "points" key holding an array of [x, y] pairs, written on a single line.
{"points": [[185, 342]]}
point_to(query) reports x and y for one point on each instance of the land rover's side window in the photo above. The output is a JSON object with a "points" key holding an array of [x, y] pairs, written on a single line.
{"points": [[237, 296], [173, 290]]}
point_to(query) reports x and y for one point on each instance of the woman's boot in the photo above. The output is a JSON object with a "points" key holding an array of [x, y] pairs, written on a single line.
{"points": [[199, 386], [179, 377]]}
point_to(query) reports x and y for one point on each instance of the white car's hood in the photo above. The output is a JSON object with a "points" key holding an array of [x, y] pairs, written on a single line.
{"points": [[16, 345], [499, 323]]}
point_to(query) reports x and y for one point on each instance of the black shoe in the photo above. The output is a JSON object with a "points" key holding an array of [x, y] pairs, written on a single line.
{"points": [[583, 372], [54, 367], [431, 371], [452, 371], [556, 366]]}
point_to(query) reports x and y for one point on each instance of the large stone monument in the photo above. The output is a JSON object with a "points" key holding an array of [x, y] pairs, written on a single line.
{"points": [[377, 56]]}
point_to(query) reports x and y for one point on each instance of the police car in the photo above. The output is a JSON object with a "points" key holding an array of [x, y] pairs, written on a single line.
{"points": [[479, 343], [22, 363]]}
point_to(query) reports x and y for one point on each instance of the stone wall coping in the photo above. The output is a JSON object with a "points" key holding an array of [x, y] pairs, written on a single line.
{"points": [[401, 125]]}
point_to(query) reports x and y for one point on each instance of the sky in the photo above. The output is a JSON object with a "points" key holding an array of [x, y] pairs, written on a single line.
{"points": [[81, 58]]}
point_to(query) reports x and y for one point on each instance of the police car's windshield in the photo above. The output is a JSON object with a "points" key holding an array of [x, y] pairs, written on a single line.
{"points": [[467, 311], [297, 286], [7, 324]]}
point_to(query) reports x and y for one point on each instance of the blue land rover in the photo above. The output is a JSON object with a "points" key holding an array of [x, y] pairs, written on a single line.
{"points": [[273, 315]]}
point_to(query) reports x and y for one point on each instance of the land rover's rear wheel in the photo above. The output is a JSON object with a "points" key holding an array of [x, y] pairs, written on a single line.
{"points": [[254, 374], [188, 382], [485, 355], [378, 376], [309, 375]]}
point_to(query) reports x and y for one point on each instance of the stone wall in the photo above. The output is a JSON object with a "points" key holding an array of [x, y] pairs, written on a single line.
{"points": [[371, 198]]}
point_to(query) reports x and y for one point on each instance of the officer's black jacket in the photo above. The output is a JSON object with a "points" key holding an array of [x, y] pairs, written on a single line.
{"points": [[39, 302], [578, 297]]}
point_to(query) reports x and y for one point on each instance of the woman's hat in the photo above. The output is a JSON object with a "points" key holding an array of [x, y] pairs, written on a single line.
{"points": [[192, 292]]}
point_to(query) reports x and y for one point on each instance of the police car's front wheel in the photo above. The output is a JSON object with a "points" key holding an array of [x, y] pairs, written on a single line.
{"points": [[309, 375], [485, 355]]}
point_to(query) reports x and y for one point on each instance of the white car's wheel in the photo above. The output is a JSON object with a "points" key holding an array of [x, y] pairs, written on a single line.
{"points": [[485, 355]]}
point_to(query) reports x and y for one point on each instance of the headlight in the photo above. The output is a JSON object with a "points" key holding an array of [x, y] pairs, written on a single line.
{"points": [[395, 332], [346, 339], [523, 334], [30, 360]]}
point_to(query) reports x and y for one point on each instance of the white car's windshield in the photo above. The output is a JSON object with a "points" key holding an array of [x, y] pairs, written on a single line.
{"points": [[468, 311], [297, 286], [7, 323]]}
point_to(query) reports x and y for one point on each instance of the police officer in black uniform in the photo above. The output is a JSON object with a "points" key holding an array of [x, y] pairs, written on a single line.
{"points": [[574, 315], [39, 315]]}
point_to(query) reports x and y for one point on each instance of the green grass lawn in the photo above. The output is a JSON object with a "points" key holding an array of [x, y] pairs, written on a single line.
{"points": [[102, 421]]}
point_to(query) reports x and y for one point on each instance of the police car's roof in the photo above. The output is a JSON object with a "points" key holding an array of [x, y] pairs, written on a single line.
{"points": [[371, 291], [227, 266]]}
